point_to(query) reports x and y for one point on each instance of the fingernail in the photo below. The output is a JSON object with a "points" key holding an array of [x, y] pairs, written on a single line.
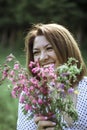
{"points": [[54, 123], [45, 117]]}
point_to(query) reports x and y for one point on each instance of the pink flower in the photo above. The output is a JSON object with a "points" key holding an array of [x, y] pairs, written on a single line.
{"points": [[40, 101], [31, 88], [13, 94], [34, 101], [27, 107], [32, 64], [43, 90], [12, 73], [22, 81], [21, 76], [22, 99], [31, 97], [35, 70], [10, 57], [34, 81], [16, 66], [5, 74], [25, 89]]}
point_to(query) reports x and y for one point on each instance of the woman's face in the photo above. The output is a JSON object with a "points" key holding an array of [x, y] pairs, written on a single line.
{"points": [[44, 52]]}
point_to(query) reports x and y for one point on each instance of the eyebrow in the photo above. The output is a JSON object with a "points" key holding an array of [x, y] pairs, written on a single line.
{"points": [[44, 46]]}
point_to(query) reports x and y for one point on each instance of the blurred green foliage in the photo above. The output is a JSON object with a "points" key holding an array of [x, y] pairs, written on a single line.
{"points": [[8, 105], [16, 17]]}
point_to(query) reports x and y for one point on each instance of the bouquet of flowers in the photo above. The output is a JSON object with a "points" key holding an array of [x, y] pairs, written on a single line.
{"points": [[48, 92]]}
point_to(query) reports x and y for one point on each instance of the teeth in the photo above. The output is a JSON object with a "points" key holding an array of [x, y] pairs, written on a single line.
{"points": [[48, 65]]}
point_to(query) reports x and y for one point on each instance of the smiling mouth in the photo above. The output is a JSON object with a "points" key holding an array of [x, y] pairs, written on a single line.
{"points": [[47, 65]]}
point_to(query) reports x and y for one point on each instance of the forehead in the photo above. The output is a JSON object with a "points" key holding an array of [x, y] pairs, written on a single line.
{"points": [[40, 41]]}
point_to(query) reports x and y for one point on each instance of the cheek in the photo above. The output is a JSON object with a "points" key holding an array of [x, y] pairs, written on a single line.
{"points": [[36, 58], [55, 58], [54, 55]]}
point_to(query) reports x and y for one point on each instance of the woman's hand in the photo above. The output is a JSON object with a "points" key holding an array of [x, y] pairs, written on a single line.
{"points": [[44, 124]]}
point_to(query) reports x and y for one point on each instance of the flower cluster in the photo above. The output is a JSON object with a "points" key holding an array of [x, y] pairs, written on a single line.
{"points": [[48, 92]]}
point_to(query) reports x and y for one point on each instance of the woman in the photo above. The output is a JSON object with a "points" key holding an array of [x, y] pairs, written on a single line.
{"points": [[54, 44]]}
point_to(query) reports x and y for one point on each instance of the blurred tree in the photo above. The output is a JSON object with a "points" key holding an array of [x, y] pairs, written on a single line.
{"points": [[15, 16], [82, 32], [7, 21]]}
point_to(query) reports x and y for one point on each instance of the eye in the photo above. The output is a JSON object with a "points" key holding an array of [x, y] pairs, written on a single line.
{"points": [[49, 48], [35, 53]]}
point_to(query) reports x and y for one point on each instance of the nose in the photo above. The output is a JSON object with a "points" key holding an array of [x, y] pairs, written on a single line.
{"points": [[43, 56]]}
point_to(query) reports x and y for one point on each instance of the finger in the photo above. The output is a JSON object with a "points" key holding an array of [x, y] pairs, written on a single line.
{"points": [[39, 118], [39, 128], [50, 128], [42, 124]]}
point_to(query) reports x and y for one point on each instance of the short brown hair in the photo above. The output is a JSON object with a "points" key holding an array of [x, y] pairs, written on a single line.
{"points": [[62, 41]]}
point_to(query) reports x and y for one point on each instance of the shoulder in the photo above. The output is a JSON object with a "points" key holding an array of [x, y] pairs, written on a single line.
{"points": [[82, 87], [83, 83]]}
